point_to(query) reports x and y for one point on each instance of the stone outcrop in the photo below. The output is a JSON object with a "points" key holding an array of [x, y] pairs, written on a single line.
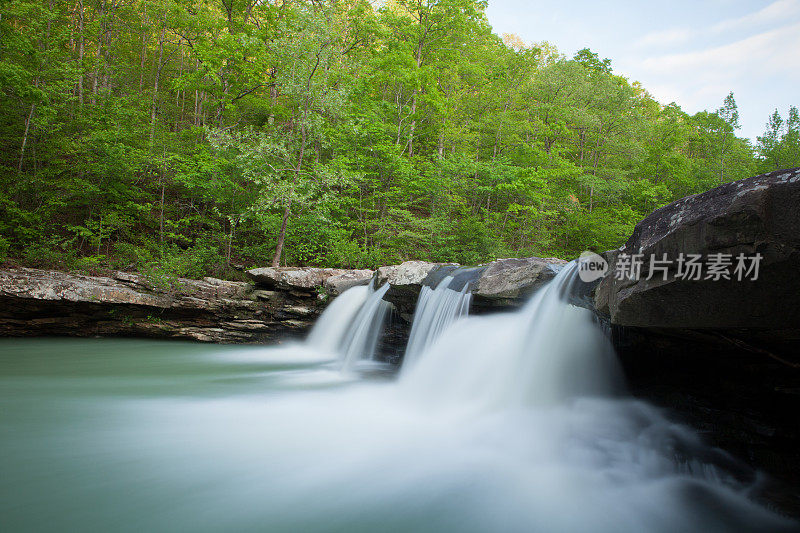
{"points": [[759, 215], [500, 285], [510, 282], [334, 280], [407, 280], [279, 303], [339, 283], [40, 302], [408, 274]]}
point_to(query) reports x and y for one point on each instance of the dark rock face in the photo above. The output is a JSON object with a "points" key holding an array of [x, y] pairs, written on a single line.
{"points": [[759, 215], [39, 302], [741, 400], [407, 280], [724, 355]]}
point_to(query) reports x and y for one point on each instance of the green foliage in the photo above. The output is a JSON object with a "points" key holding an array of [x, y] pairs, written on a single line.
{"points": [[181, 138], [174, 262], [780, 145], [5, 245]]}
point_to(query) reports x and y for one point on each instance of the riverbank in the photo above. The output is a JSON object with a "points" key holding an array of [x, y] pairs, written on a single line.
{"points": [[276, 304]]}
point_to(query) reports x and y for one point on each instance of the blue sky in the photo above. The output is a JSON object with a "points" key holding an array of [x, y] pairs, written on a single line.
{"points": [[689, 52]]}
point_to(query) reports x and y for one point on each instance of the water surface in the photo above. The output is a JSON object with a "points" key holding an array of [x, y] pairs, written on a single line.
{"points": [[136, 435]]}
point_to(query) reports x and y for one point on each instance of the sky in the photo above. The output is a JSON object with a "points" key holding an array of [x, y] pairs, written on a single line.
{"points": [[689, 52]]}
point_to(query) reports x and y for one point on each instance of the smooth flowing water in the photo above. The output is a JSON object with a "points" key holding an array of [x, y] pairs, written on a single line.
{"points": [[331, 329], [361, 337], [514, 422], [350, 327], [437, 309]]}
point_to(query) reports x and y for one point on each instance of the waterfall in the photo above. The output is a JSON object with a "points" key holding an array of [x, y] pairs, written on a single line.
{"points": [[351, 325], [330, 329], [437, 309], [544, 353], [361, 338]]}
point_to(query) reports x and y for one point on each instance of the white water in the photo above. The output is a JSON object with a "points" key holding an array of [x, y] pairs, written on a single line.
{"points": [[350, 327], [362, 335], [547, 352], [330, 329], [437, 309], [508, 423]]}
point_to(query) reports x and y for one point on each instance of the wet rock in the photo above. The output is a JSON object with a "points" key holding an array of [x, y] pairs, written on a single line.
{"points": [[721, 354], [759, 215], [510, 282], [500, 285], [407, 280]]}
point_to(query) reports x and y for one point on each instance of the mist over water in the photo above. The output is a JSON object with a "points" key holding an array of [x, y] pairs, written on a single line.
{"points": [[513, 422]]}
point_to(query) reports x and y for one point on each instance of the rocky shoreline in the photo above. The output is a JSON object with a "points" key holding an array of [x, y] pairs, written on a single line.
{"points": [[41, 302], [278, 303]]}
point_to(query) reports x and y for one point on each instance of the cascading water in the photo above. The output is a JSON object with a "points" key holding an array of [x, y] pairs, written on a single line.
{"points": [[351, 325], [329, 331], [512, 422], [546, 352], [437, 309], [361, 337]]}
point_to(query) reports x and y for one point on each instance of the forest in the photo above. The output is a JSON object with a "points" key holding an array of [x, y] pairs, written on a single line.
{"points": [[196, 137]]}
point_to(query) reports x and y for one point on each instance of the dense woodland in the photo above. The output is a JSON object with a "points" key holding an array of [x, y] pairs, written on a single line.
{"points": [[181, 137]]}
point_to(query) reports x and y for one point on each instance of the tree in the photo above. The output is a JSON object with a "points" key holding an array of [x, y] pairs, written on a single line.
{"points": [[729, 113], [779, 147]]}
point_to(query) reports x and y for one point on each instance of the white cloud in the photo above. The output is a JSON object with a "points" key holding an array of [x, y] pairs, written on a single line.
{"points": [[692, 52], [760, 69], [769, 52], [776, 12]]}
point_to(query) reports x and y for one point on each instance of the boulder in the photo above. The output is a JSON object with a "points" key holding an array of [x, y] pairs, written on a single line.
{"points": [[501, 284], [510, 282], [307, 278], [339, 283], [759, 215], [721, 354], [408, 274], [407, 280]]}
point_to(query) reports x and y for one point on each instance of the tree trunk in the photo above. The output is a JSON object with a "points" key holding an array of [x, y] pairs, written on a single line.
{"points": [[161, 217], [80, 52], [25, 137], [196, 97], [144, 51], [276, 260], [414, 104], [178, 105], [230, 243], [100, 31], [155, 85], [413, 125]]}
